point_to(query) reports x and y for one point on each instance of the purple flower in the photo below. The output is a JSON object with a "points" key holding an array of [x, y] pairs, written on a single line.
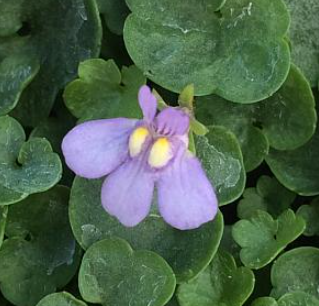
{"points": [[136, 156]]}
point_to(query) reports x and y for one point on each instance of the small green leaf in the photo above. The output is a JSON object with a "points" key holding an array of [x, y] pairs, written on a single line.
{"points": [[112, 273], [298, 170], [221, 283], [284, 121], [16, 72], [310, 213], [186, 98], [187, 252], [221, 157], [77, 34], [296, 270], [238, 53], [3, 220], [114, 13], [60, 299], [304, 36], [102, 91], [25, 167], [265, 301], [40, 254], [262, 238], [269, 195]]}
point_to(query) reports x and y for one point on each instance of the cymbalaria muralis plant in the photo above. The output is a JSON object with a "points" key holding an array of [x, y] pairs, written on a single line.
{"points": [[159, 153]]}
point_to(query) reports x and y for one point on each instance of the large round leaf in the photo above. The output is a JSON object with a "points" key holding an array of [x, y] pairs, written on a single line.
{"points": [[40, 254], [238, 53], [25, 167], [221, 157], [188, 252], [310, 213], [77, 34], [298, 170], [112, 273], [284, 121], [221, 283], [296, 270]]}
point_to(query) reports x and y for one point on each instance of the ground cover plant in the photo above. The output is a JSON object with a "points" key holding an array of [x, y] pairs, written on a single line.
{"points": [[157, 152]]}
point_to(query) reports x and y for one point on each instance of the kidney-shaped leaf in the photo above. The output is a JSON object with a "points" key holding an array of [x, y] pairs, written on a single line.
{"points": [[112, 273], [238, 52], [187, 252], [284, 121]]}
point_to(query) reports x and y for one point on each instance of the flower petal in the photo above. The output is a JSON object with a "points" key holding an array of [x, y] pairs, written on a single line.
{"points": [[95, 148], [127, 193], [172, 121], [186, 198], [148, 103]]}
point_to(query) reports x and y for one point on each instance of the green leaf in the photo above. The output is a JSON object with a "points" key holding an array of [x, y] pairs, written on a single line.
{"points": [[40, 254], [10, 17], [310, 213], [221, 283], [77, 36], [25, 167], [296, 270], [102, 91], [60, 299], [221, 157], [112, 273], [298, 170], [284, 121], [304, 37], [3, 220], [238, 53], [16, 72], [114, 13], [269, 195], [262, 238], [298, 299], [187, 252], [265, 301]]}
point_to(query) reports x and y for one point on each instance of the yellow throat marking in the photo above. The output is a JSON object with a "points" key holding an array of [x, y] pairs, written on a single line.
{"points": [[137, 139], [160, 153]]}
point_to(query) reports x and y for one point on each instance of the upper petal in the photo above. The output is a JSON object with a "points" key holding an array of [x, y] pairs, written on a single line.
{"points": [[127, 192], [95, 148], [172, 121], [148, 103], [186, 198]]}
